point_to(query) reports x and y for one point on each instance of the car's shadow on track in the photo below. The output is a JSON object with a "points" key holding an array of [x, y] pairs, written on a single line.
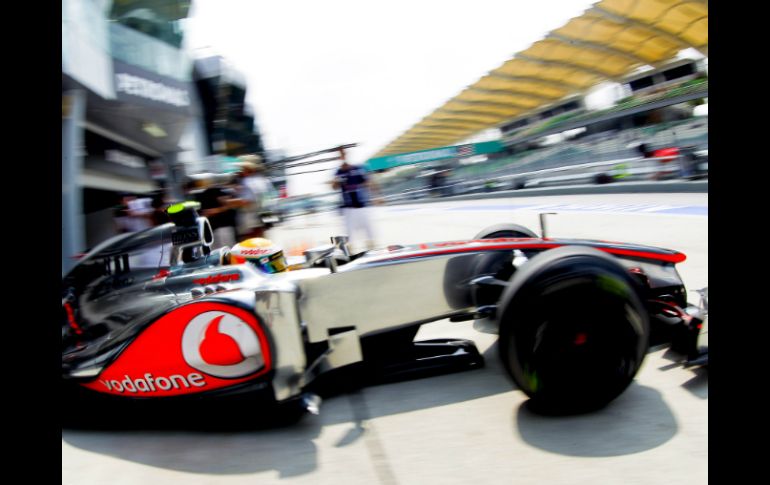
{"points": [[636, 421], [377, 400], [289, 452], [233, 439], [699, 384]]}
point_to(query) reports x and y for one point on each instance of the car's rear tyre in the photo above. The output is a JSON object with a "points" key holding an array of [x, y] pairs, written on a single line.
{"points": [[462, 269], [573, 330], [505, 230], [492, 263]]}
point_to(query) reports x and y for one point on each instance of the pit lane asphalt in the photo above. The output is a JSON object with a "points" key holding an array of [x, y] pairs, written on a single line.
{"points": [[469, 427]]}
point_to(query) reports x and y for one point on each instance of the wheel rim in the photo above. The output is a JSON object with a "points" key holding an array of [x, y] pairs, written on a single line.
{"points": [[578, 341]]}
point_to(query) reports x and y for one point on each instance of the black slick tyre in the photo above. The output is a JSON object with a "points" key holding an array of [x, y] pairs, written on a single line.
{"points": [[505, 230], [573, 330]]}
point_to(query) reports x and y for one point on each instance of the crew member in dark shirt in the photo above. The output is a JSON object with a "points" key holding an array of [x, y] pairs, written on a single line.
{"points": [[353, 184], [220, 205]]}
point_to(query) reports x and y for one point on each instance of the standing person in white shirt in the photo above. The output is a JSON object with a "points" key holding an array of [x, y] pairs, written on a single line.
{"points": [[136, 214], [255, 188]]}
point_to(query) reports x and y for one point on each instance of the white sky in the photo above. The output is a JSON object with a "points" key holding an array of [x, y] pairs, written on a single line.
{"points": [[323, 73]]}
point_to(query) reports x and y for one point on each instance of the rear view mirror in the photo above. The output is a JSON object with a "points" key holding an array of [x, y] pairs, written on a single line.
{"points": [[320, 253]]}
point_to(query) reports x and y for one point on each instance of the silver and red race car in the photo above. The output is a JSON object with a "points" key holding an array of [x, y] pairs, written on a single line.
{"points": [[575, 317]]}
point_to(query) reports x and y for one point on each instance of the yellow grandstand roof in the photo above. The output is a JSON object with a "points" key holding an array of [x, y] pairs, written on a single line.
{"points": [[609, 41]]}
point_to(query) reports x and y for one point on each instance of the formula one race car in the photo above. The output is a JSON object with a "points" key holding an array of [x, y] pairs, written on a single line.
{"points": [[575, 317]]}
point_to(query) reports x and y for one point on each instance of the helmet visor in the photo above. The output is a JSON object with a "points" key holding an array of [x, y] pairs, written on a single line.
{"points": [[274, 263]]}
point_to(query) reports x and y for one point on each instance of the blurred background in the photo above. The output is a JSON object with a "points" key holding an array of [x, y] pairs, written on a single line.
{"points": [[161, 97], [458, 115]]}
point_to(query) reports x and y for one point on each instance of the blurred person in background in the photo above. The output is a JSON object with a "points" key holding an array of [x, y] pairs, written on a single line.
{"points": [[120, 216], [255, 190], [375, 185], [643, 149], [160, 200], [688, 161], [666, 156], [436, 182], [220, 204], [440, 182], [135, 214], [353, 184]]}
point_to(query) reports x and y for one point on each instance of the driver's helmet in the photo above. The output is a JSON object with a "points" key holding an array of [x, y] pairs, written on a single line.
{"points": [[260, 252]]}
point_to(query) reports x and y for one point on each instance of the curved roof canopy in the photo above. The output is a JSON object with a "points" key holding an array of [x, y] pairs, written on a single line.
{"points": [[606, 43]]}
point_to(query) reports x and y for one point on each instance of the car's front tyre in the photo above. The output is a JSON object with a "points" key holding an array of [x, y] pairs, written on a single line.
{"points": [[573, 330]]}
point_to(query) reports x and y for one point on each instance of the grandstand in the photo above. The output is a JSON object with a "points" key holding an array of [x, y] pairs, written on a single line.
{"points": [[613, 144], [540, 94], [690, 90]]}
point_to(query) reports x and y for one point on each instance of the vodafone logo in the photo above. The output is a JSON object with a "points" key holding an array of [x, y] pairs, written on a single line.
{"points": [[219, 278], [222, 345]]}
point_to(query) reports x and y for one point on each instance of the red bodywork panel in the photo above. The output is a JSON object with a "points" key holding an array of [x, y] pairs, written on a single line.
{"points": [[195, 348]]}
